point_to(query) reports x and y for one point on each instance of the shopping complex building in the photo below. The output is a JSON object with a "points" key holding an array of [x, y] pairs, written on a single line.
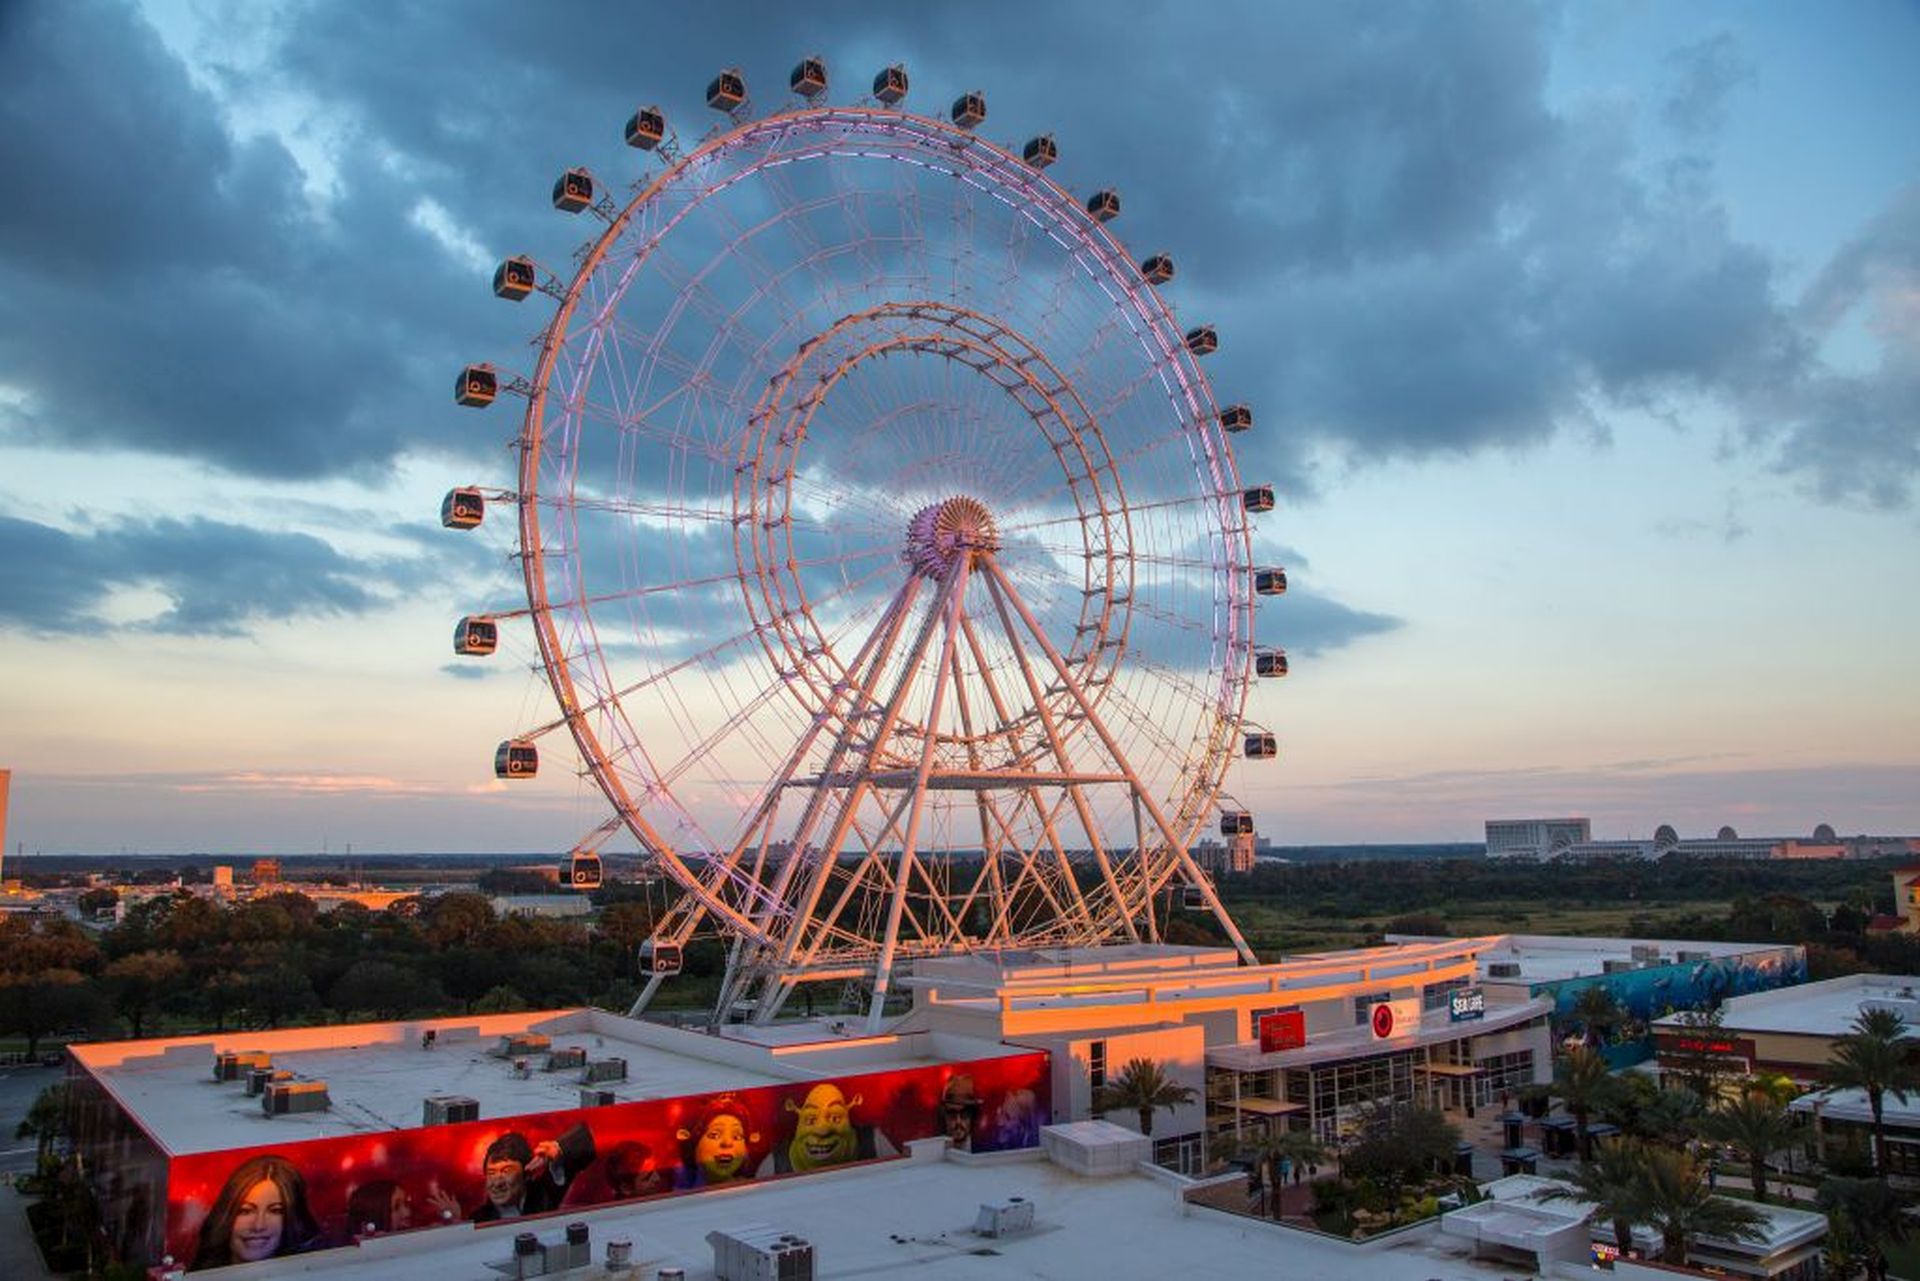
{"points": [[393, 1126]]}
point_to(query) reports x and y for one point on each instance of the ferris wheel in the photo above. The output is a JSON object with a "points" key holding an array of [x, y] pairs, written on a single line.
{"points": [[883, 545]]}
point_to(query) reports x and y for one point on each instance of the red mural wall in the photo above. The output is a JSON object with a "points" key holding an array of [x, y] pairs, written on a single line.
{"points": [[251, 1203]]}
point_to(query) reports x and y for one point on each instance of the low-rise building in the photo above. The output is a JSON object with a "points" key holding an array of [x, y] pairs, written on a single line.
{"points": [[1789, 1032]]}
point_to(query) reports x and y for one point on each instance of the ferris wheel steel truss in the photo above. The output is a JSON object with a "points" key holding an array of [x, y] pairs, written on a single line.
{"points": [[945, 702]]}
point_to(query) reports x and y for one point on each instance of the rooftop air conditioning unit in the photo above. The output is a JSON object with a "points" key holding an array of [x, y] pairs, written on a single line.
{"points": [[233, 1065], [1004, 1218], [592, 1098], [1687, 956], [1615, 966], [1644, 952], [258, 1079], [282, 1097], [604, 1070], [521, 1044], [571, 1056], [1503, 969], [449, 1109], [756, 1252]]}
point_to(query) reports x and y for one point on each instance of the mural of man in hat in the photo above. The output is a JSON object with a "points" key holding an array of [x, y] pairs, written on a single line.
{"points": [[959, 1111]]}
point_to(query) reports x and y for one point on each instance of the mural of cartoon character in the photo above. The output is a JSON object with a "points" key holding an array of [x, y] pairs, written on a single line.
{"points": [[719, 1148], [824, 1134], [260, 1213]]}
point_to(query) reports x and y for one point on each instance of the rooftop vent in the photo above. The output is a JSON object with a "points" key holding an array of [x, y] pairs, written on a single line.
{"points": [[604, 1070], [596, 1098], [282, 1097], [519, 1044], [1503, 969], [571, 1056], [448, 1109], [756, 1252], [233, 1065], [1004, 1218]]}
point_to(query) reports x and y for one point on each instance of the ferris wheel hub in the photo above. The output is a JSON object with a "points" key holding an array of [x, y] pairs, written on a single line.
{"points": [[941, 533]]}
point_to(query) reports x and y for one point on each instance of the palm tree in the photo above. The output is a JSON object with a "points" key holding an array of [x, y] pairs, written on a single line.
{"points": [[1876, 1059], [1581, 1079], [1614, 1182], [1756, 1126], [1142, 1085], [1679, 1204], [1599, 1013], [1267, 1148], [1867, 1216]]}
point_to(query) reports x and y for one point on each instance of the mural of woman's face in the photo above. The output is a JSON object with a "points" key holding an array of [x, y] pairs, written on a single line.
{"points": [[722, 1148], [259, 1223], [400, 1211]]}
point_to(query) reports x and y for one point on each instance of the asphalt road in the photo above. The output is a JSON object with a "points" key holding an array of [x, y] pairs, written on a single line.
{"points": [[18, 1088]]}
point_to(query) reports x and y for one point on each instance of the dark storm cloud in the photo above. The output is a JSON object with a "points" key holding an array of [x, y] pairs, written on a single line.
{"points": [[1409, 252], [216, 578]]}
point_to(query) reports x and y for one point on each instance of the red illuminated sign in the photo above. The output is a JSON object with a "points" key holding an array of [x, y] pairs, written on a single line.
{"points": [[1382, 1021], [1695, 1045], [1283, 1030], [501, 1169]]}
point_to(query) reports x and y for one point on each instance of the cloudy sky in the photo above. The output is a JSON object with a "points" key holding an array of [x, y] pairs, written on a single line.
{"points": [[1584, 339]]}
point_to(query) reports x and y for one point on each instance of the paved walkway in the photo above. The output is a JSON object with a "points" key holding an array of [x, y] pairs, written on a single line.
{"points": [[19, 1259]]}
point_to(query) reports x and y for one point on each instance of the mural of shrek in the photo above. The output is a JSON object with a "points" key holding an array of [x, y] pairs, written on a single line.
{"points": [[824, 1134]]}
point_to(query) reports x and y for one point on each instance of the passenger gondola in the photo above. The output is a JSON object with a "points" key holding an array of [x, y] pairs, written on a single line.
{"points": [[513, 279], [890, 86], [969, 110], [809, 78], [573, 191], [477, 387], [646, 127], [476, 636], [516, 758], [463, 508]]}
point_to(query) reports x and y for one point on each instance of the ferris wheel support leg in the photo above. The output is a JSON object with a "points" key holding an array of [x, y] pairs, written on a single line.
{"points": [[880, 641], [803, 916], [1139, 854], [1174, 843], [1045, 820], [646, 995], [998, 588], [956, 596]]}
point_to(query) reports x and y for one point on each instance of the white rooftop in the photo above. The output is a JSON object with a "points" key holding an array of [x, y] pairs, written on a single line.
{"points": [[1826, 1008], [915, 1218], [1547, 958], [378, 1075]]}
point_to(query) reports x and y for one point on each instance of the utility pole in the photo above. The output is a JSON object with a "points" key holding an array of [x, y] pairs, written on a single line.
{"points": [[6, 778]]}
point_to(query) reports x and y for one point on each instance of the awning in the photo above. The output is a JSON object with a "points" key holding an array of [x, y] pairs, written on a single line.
{"points": [[1449, 1069], [1270, 1107]]}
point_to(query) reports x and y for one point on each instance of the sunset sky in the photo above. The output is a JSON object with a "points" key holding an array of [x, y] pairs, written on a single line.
{"points": [[1584, 340]]}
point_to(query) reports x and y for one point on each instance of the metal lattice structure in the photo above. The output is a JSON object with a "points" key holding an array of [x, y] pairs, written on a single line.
{"points": [[883, 545]]}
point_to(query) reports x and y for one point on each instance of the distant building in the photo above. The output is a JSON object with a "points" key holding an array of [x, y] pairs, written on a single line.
{"points": [[266, 871], [1539, 838], [560, 905], [1790, 1032], [1571, 839]]}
